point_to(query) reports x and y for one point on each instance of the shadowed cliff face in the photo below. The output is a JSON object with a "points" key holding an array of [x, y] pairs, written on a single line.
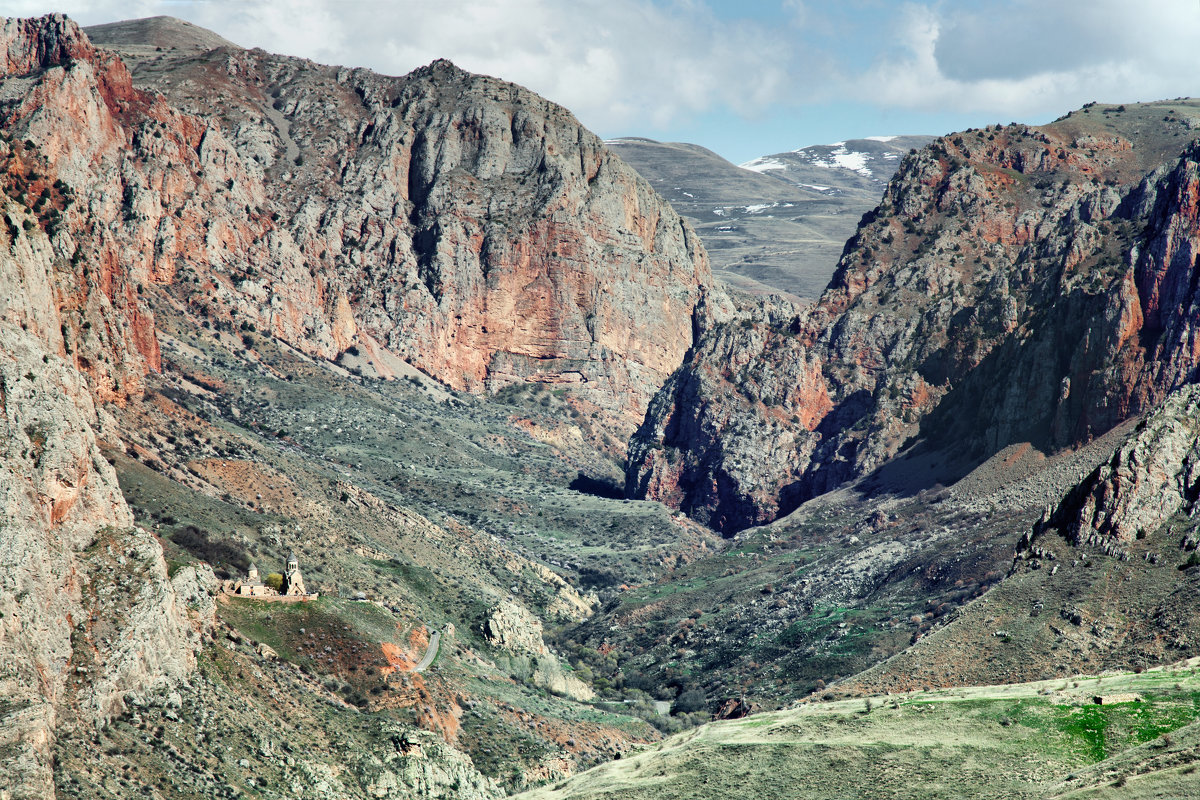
{"points": [[1015, 284], [454, 221], [1152, 477]]}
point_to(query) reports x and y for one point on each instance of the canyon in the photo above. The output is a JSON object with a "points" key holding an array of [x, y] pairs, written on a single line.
{"points": [[562, 490]]}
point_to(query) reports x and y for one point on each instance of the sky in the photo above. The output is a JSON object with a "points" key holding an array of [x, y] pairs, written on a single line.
{"points": [[746, 78]]}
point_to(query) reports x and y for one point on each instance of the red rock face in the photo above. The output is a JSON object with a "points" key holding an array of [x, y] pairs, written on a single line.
{"points": [[33, 44], [462, 223], [1014, 285], [126, 189]]}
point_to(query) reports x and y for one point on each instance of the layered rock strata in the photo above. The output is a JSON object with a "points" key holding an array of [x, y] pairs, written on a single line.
{"points": [[459, 222], [1015, 284]]}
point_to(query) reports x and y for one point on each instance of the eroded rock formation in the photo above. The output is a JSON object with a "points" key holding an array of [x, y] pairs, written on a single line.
{"points": [[1015, 284], [1154, 475], [456, 221]]}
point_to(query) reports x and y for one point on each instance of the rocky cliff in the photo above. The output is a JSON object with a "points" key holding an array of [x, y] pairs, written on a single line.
{"points": [[454, 221], [87, 612], [1148, 480], [88, 615], [1015, 284]]}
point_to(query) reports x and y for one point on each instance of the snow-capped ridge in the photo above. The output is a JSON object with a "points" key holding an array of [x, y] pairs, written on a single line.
{"points": [[763, 164]]}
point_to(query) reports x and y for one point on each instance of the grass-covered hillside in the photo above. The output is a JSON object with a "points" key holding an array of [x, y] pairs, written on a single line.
{"points": [[1032, 740]]}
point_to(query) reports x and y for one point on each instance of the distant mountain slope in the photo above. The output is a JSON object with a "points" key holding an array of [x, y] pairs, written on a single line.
{"points": [[854, 165], [779, 222], [163, 33]]}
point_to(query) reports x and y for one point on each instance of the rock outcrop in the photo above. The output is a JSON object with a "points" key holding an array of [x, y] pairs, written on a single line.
{"points": [[509, 627], [87, 613], [459, 222], [422, 765], [1153, 476], [1015, 284]]}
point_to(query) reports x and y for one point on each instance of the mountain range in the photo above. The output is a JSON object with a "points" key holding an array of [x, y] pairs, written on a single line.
{"points": [[777, 223], [564, 492]]}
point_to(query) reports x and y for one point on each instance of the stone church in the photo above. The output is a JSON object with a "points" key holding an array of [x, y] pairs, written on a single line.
{"points": [[253, 586], [293, 581]]}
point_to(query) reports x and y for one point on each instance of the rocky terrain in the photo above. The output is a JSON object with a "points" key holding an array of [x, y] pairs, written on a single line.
{"points": [[776, 224], [1015, 284], [404, 327], [471, 229], [1103, 579], [165, 293]]}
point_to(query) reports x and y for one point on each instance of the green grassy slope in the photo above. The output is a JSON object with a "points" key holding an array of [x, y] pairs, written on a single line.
{"points": [[1021, 740]]}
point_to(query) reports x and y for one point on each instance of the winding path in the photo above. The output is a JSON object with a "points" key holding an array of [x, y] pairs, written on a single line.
{"points": [[431, 652]]}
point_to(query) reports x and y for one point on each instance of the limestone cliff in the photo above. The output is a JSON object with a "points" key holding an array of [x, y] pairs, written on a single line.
{"points": [[87, 613], [1154, 475], [510, 628], [1015, 284], [456, 221]]}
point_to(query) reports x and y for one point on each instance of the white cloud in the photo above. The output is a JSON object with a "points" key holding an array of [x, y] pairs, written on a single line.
{"points": [[1018, 58], [644, 66], [618, 64]]}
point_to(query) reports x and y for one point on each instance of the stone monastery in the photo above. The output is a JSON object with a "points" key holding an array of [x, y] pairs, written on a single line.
{"points": [[253, 586]]}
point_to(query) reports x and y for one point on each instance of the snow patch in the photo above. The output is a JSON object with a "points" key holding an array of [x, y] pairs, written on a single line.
{"points": [[842, 158], [880, 138], [763, 164], [854, 161], [755, 208]]}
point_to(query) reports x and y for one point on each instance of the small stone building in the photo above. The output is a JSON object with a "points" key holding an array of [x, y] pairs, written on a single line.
{"points": [[1109, 699], [293, 581], [253, 586]]}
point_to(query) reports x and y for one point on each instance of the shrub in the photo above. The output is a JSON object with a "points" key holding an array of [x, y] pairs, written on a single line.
{"points": [[689, 701], [218, 552]]}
